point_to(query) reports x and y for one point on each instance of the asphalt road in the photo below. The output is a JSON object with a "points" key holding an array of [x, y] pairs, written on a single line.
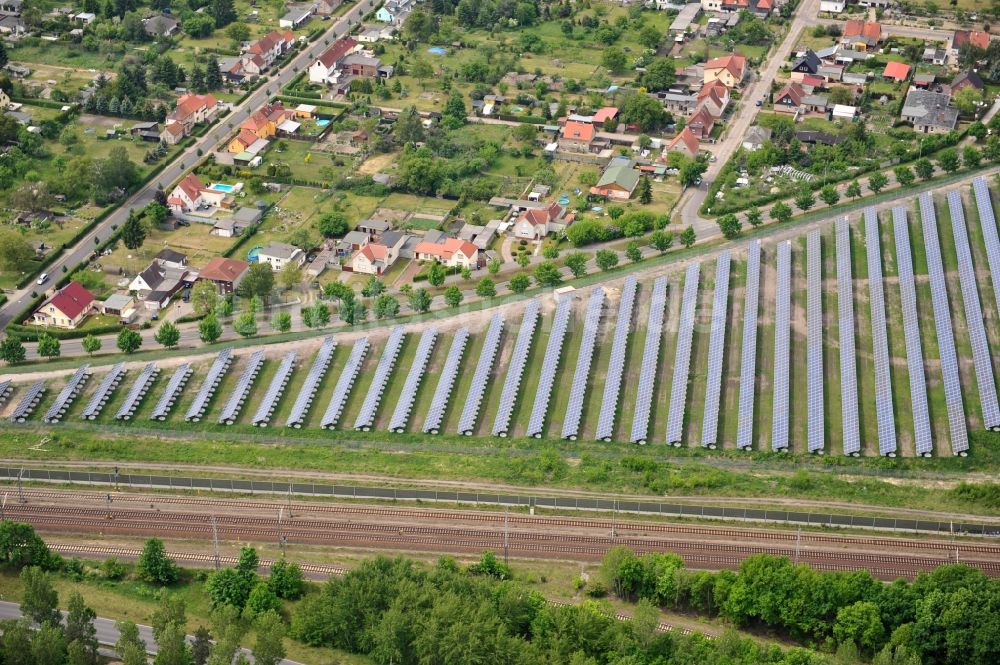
{"points": [[80, 252], [107, 633]]}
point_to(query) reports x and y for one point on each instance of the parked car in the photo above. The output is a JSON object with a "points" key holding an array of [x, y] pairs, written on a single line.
{"points": [[44, 277]]}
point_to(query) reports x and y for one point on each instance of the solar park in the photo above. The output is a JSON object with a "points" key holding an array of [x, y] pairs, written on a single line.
{"points": [[872, 335]]}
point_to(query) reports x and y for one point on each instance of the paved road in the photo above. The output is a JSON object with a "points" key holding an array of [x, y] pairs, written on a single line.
{"points": [[79, 253], [107, 633]]}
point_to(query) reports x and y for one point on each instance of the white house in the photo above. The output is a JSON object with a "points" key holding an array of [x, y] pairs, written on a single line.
{"points": [[191, 194], [453, 252], [324, 68], [280, 254], [533, 224], [832, 6]]}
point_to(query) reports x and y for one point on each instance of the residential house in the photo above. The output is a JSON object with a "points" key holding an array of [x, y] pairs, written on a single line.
{"points": [[226, 274], [678, 103], [242, 141], [234, 225], [619, 179], [159, 282], [173, 133], [453, 252], [11, 24], [11, 6], [264, 122], [147, 131], [930, 112], [789, 98], [730, 69], [980, 40], [935, 56], [161, 25], [715, 97], [577, 136], [270, 47], [814, 104], [84, 18], [377, 257], [967, 79], [807, 63], [171, 258], [327, 7], [280, 254], [121, 305], [370, 34], [832, 6], [67, 308], [604, 114], [536, 223], [296, 18], [307, 111], [861, 35], [4, 101], [373, 228], [701, 123], [394, 11], [192, 110], [756, 137], [352, 242], [324, 68], [830, 73], [191, 194], [360, 64], [896, 71], [685, 143]]}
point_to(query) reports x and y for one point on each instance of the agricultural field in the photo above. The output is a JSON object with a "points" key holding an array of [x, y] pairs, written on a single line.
{"points": [[694, 404]]}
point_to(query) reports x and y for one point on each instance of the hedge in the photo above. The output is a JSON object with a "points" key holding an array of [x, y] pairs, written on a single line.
{"points": [[31, 333], [45, 103], [307, 100]]}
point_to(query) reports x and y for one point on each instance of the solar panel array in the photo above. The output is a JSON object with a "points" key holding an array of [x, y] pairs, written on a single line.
{"points": [[911, 332], [231, 411], [470, 412], [988, 221], [404, 405], [274, 391], [748, 356], [515, 369], [616, 365], [716, 352], [366, 417], [851, 427], [814, 343], [138, 390], [6, 388], [345, 382], [304, 400], [103, 393], [550, 365], [782, 323], [954, 403], [974, 316], [67, 395], [578, 390], [169, 397], [218, 370], [682, 357], [884, 414], [449, 373], [650, 360], [28, 402]]}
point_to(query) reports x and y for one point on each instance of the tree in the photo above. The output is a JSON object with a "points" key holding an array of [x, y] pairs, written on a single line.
{"points": [[80, 626], [111, 178], [167, 335], [486, 288], [493, 266], [15, 250], [48, 346], [290, 275], [754, 217], [204, 297], [201, 647], [904, 175], [129, 341], [32, 196], [333, 225], [409, 127], [282, 322], [525, 133], [690, 172], [977, 130], [877, 181], [133, 231], [39, 600], [688, 237], [209, 329], [385, 306], [644, 111], [258, 281], [547, 274], [645, 191], [968, 100], [213, 74], [373, 287], [230, 586], [577, 263], [453, 296], [614, 59], [853, 190], [454, 114], [829, 195], [519, 283], [924, 168], [550, 251], [261, 599], [3, 55], [660, 75], [20, 546], [436, 274], [172, 647], [12, 350], [245, 324], [131, 649], [804, 199], [632, 252], [420, 300], [661, 241], [48, 646], [730, 226], [269, 648], [971, 157], [947, 159], [606, 259], [154, 566], [781, 211], [861, 624], [286, 580], [523, 259]]}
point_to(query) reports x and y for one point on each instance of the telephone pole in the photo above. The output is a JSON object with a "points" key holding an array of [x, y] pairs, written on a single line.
{"points": [[506, 538], [215, 543]]}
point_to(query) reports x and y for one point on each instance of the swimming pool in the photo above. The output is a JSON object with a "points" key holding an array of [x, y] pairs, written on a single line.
{"points": [[436, 50], [254, 254], [323, 122], [221, 187]]}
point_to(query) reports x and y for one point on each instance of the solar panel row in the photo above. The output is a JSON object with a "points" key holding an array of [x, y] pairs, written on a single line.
{"points": [[974, 316], [304, 400], [911, 333], [274, 391], [342, 390], [103, 393], [169, 397], [716, 353], [138, 390], [650, 361], [366, 416], [550, 365], [682, 356], [578, 389], [6, 388], [218, 370], [748, 355], [484, 366], [231, 411], [782, 323], [26, 405], [954, 403], [848, 356], [501, 426], [988, 222], [67, 395], [884, 414], [814, 344], [401, 414], [616, 364], [449, 373]]}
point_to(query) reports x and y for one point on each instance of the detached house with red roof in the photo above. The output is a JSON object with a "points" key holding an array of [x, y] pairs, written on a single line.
{"points": [[896, 71], [714, 96], [67, 308], [861, 36], [789, 98], [685, 143], [979, 39], [192, 110], [730, 70], [325, 69], [226, 274], [191, 194], [536, 223], [271, 46], [577, 136], [701, 123], [452, 252]]}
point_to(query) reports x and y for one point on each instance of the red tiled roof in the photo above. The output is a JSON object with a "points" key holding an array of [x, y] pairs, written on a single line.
{"points": [[793, 90], [716, 86], [765, 4], [246, 136], [689, 140], [223, 270], [375, 252], [72, 300], [446, 249], [188, 104], [581, 131], [734, 63], [602, 114], [174, 128], [191, 186], [340, 48], [896, 70], [174, 201], [702, 117], [869, 29], [976, 38], [814, 81]]}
